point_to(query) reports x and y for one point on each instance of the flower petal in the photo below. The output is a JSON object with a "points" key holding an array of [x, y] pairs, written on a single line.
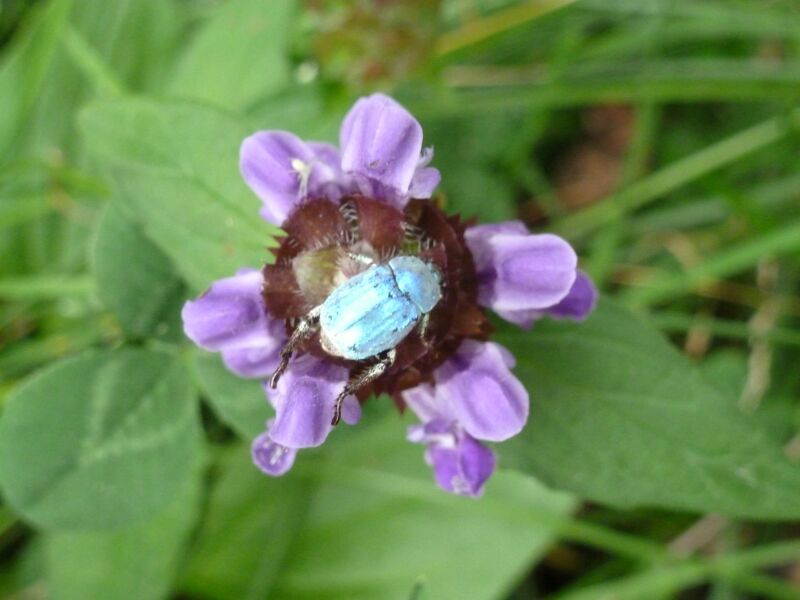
{"points": [[478, 239], [327, 178], [422, 400], [463, 469], [381, 143], [283, 170], [257, 361], [522, 272], [327, 155], [272, 458], [267, 160], [424, 182], [425, 178], [488, 401], [460, 463], [231, 314], [579, 302], [576, 305], [304, 402], [522, 318]]}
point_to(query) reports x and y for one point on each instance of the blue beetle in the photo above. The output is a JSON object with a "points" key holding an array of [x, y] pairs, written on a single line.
{"points": [[368, 315], [375, 310]]}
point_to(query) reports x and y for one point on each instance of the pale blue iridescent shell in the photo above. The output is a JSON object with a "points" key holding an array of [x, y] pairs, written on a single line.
{"points": [[373, 311], [417, 280]]}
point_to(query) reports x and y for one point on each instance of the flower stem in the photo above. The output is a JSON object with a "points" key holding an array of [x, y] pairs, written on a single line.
{"points": [[478, 30], [597, 536], [679, 173]]}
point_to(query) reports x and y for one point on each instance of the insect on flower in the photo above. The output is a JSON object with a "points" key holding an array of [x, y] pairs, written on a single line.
{"points": [[367, 316], [374, 289]]}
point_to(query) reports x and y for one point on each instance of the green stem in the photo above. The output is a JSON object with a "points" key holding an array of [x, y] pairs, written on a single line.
{"points": [[478, 30], [679, 322], [770, 196], [678, 174], [735, 568], [763, 585], [23, 209], [651, 583], [45, 287], [607, 242], [91, 64], [777, 242], [613, 542], [476, 91], [778, 553]]}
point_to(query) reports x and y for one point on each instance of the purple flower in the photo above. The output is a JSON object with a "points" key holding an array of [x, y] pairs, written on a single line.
{"points": [[475, 397], [524, 277], [303, 403], [230, 318], [381, 157], [461, 464], [269, 456], [345, 210]]}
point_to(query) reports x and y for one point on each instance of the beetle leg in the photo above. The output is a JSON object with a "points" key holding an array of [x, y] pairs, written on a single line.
{"points": [[361, 379], [350, 213], [307, 326], [416, 235], [412, 233], [423, 328], [361, 259]]}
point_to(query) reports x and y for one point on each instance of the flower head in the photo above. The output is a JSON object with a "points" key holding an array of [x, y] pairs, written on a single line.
{"points": [[339, 316]]}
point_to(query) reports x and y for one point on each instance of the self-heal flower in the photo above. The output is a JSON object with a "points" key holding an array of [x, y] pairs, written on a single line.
{"points": [[230, 318], [348, 213]]}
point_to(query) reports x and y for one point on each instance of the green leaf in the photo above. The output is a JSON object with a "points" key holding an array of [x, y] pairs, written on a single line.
{"points": [[473, 191], [135, 563], [91, 64], [136, 38], [247, 531], [254, 63], [134, 278], [126, 43], [727, 371], [301, 109], [363, 520], [24, 70], [102, 440], [239, 403], [419, 591], [175, 165], [620, 417], [469, 153]]}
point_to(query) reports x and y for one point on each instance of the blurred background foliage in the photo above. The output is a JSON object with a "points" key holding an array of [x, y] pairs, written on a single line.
{"points": [[659, 136]]}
